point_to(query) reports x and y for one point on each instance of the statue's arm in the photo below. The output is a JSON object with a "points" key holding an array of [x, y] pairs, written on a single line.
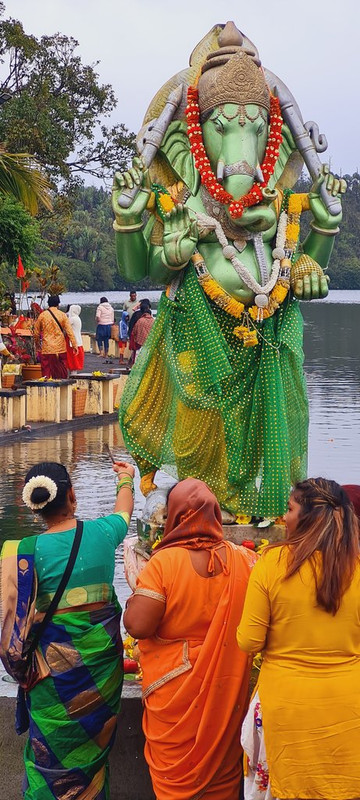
{"points": [[324, 226], [320, 241], [132, 249], [159, 272], [132, 255], [137, 257]]}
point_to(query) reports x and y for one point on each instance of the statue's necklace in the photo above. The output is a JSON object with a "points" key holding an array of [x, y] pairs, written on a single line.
{"points": [[202, 163]]}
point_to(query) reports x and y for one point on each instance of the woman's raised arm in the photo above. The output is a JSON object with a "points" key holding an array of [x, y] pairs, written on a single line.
{"points": [[125, 487]]}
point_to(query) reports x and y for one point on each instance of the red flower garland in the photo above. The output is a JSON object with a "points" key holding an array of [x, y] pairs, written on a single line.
{"points": [[202, 163]]}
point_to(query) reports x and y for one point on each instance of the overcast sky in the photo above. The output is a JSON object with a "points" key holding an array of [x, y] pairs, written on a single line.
{"points": [[312, 45]]}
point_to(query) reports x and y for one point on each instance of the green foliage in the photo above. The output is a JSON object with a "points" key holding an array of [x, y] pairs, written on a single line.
{"points": [[53, 106], [82, 241], [19, 233], [344, 269]]}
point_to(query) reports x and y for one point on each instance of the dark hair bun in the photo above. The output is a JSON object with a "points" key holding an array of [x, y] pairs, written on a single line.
{"points": [[40, 495]]}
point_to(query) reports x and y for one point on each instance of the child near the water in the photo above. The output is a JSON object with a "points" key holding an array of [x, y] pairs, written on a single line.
{"points": [[123, 335]]}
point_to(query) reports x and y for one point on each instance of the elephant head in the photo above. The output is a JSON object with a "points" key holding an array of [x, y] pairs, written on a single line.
{"points": [[234, 102]]}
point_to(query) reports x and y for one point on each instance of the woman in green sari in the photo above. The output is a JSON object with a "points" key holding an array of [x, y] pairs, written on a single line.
{"points": [[73, 695]]}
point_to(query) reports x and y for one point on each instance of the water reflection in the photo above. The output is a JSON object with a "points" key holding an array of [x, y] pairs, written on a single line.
{"points": [[332, 368]]}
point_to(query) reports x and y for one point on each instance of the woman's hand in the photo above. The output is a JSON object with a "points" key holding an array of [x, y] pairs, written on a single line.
{"points": [[124, 499], [124, 467]]}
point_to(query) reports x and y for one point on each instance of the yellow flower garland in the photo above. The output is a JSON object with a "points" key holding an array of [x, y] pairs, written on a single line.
{"points": [[296, 204], [216, 293]]}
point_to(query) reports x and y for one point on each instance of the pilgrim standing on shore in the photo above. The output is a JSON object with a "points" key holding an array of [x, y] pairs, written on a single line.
{"points": [[104, 320], [302, 610], [75, 361], [132, 304], [71, 696], [50, 332]]}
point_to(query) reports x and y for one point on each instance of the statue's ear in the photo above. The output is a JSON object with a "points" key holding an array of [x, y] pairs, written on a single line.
{"points": [[174, 160], [289, 164]]}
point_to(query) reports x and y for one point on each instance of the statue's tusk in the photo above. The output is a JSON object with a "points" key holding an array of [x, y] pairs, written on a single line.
{"points": [[220, 170], [258, 174]]}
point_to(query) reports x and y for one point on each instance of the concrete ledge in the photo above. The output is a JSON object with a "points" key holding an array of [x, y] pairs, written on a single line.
{"points": [[129, 776], [239, 533], [12, 409], [49, 401], [41, 430], [102, 391]]}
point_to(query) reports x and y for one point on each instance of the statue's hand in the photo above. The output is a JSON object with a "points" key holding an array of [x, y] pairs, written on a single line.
{"points": [[180, 236], [312, 287], [137, 175], [307, 279], [336, 187]]}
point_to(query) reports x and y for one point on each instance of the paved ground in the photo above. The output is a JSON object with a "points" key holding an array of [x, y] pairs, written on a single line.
{"points": [[94, 362]]}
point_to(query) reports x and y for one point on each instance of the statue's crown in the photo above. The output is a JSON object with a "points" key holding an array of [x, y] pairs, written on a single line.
{"points": [[232, 74]]}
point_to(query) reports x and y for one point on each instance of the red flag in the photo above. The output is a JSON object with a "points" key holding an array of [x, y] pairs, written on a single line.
{"points": [[25, 285], [20, 272]]}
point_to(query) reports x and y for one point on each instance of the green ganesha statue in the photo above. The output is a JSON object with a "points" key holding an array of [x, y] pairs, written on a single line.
{"points": [[207, 210]]}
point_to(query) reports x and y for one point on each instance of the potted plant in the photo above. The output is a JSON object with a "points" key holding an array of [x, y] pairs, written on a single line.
{"points": [[22, 347], [9, 374]]}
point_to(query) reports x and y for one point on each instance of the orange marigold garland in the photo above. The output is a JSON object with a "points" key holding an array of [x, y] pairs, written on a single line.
{"points": [[202, 163]]}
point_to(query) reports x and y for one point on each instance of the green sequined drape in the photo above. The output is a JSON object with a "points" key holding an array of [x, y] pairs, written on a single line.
{"points": [[199, 403]]}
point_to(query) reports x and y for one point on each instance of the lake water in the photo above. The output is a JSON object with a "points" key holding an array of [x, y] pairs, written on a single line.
{"points": [[332, 368]]}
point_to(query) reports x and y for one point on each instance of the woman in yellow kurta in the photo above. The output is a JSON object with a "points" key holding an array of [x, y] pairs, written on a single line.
{"points": [[195, 680], [303, 609]]}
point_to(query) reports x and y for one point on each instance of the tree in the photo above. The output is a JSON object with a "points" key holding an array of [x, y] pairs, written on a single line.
{"points": [[19, 233], [53, 106]]}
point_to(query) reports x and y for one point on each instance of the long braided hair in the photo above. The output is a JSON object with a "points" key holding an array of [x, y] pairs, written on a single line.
{"points": [[327, 524]]}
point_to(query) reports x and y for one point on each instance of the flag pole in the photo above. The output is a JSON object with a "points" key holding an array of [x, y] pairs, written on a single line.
{"points": [[20, 273]]}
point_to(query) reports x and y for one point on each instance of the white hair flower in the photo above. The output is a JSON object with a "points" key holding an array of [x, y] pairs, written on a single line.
{"points": [[42, 482]]}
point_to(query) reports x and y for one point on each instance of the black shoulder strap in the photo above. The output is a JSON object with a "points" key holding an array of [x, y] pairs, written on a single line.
{"points": [[56, 320], [60, 590]]}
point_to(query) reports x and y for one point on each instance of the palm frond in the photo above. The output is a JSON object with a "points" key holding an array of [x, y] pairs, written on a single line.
{"points": [[21, 178]]}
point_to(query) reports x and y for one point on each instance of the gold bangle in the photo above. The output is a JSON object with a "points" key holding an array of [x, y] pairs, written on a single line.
{"points": [[138, 226], [324, 231]]}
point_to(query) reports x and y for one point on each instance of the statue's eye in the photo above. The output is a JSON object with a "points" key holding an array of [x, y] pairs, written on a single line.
{"points": [[218, 125], [261, 127]]}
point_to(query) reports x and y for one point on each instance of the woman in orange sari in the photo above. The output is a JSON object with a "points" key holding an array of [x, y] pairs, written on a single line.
{"points": [[185, 612]]}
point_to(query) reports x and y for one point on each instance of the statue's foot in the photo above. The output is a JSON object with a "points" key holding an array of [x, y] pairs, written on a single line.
{"points": [[227, 518]]}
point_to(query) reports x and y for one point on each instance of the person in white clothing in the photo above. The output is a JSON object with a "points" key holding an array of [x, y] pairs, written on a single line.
{"points": [[75, 362], [132, 304]]}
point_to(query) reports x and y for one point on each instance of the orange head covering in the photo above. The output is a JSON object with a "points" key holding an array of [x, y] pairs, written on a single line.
{"points": [[194, 517]]}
